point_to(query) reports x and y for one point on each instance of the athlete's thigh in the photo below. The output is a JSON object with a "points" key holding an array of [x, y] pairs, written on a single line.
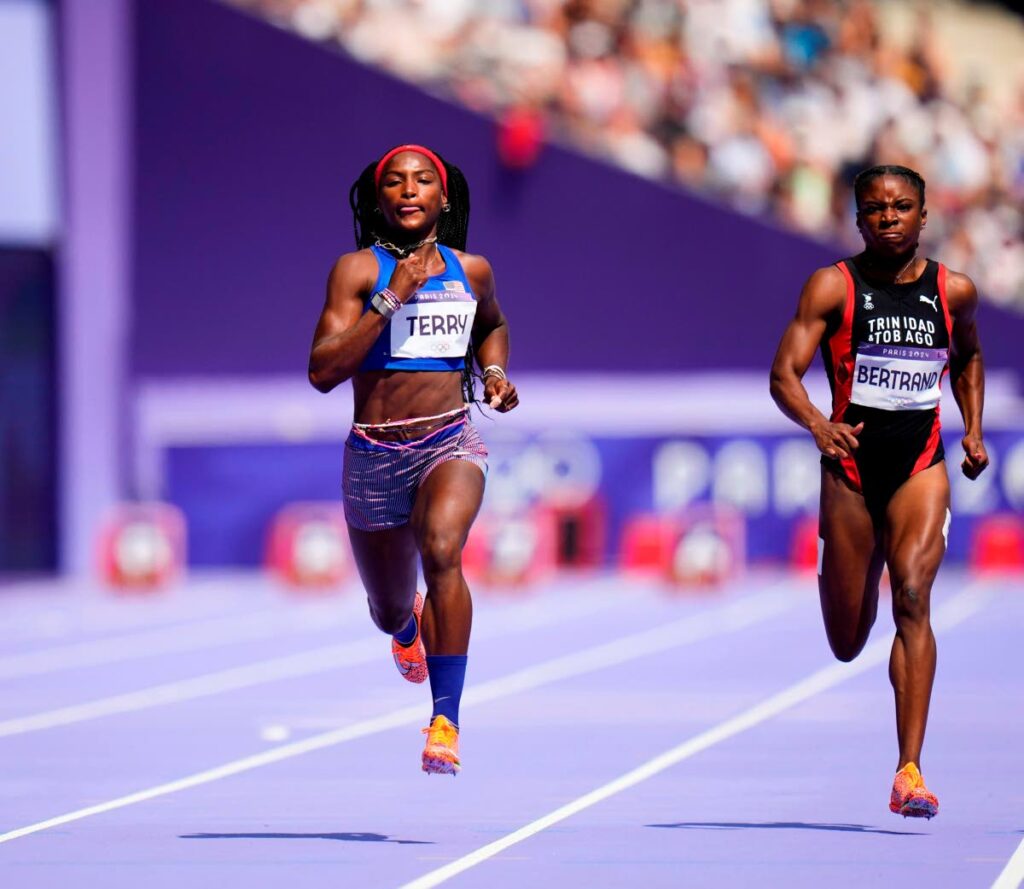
{"points": [[852, 557], [386, 560], [916, 524], [447, 501]]}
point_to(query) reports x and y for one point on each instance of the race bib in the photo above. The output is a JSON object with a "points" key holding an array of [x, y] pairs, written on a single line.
{"points": [[898, 378], [433, 325]]}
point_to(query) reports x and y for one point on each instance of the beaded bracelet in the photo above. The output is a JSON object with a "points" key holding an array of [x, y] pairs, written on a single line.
{"points": [[494, 370]]}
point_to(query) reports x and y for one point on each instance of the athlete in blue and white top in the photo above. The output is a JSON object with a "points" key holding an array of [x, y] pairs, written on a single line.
{"points": [[405, 317], [431, 330]]}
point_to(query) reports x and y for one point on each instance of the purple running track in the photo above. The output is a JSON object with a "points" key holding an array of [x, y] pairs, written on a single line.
{"points": [[570, 688]]}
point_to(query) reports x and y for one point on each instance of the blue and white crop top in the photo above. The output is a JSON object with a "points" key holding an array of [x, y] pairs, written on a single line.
{"points": [[431, 331]]}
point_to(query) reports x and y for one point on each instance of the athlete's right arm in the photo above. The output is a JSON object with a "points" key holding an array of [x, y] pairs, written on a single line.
{"points": [[345, 333], [822, 299]]}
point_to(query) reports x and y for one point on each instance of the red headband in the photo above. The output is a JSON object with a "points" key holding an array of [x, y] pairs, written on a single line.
{"points": [[419, 149]]}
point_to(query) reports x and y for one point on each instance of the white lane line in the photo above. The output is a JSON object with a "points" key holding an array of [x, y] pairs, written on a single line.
{"points": [[953, 612], [304, 663], [69, 608], [168, 640], [1013, 874], [317, 660], [207, 633], [704, 625]]}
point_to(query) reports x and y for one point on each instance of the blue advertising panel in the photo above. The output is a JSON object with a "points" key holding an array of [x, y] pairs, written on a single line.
{"points": [[771, 480]]}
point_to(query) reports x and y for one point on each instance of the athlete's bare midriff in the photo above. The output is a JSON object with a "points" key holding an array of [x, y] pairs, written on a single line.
{"points": [[386, 395]]}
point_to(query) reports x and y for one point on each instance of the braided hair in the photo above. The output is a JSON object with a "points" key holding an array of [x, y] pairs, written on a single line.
{"points": [[866, 177], [452, 231]]}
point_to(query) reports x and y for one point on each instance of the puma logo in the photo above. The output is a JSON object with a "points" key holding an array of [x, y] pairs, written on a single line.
{"points": [[933, 302]]}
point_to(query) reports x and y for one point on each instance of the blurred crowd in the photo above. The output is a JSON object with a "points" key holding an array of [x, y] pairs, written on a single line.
{"points": [[770, 105]]}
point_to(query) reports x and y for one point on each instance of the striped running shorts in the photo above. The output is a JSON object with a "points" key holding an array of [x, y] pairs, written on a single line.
{"points": [[380, 479]]}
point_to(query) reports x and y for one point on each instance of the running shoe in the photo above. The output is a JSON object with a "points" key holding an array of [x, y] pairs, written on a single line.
{"points": [[441, 755], [411, 659], [910, 798]]}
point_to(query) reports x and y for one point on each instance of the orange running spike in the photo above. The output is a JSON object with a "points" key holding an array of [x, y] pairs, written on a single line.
{"points": [[411, 659], [441, 755], [910, 798]]}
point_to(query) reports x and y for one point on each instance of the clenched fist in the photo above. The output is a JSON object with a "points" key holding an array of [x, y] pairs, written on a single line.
{"points": [[500, 394], [976, 458], [410, 274]]}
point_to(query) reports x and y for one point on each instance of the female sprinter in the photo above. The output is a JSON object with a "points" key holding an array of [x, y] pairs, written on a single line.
{"points": [[403, 318], [890, 324]]}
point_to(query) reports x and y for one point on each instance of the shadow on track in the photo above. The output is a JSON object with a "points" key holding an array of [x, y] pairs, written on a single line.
{"points": [[345, 837], [785, 825]]}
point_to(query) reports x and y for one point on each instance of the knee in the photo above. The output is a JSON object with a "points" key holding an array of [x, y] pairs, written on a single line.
{"points": [[846, 650], [388, 618], [911, 601], [848, 633], [441, 551], [847, 642]]}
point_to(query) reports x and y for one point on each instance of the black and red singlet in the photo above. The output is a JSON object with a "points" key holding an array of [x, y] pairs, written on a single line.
{"points": [[885, 364]]}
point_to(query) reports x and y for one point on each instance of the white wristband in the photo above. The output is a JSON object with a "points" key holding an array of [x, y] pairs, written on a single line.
{"points": [[494, 370]]}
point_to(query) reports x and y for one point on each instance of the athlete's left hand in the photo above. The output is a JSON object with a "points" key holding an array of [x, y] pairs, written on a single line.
{"points": [[977, 457], [500, 394]]}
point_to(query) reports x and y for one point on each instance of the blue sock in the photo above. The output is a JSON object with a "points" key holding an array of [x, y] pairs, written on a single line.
{"points": [[406, 636], [447, 674]]}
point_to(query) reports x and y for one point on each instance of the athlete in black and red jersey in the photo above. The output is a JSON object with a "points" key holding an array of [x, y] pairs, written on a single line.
{"points": [[890, 324]]}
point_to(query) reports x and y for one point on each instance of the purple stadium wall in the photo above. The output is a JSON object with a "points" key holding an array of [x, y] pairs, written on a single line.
{"points": [[249, 137]]}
